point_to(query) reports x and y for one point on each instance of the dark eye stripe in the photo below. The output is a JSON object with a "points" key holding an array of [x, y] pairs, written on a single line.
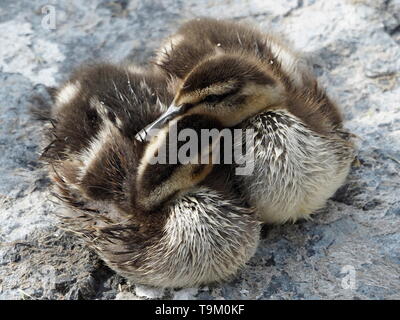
{"points": [[212, 98], [186, 106]]}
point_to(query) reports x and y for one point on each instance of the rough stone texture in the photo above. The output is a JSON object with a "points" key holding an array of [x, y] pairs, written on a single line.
{"points": [[355, 49]]}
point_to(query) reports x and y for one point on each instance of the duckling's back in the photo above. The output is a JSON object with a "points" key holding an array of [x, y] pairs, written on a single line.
{"points": [[204, 37], [95, 117]]}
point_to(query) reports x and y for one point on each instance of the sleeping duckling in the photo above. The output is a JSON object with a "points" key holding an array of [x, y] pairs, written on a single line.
{"points": [[165, 225], [250, 80]]}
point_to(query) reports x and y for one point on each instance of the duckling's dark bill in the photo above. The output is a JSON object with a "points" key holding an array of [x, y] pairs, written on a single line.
{"points": [[171, 112]]}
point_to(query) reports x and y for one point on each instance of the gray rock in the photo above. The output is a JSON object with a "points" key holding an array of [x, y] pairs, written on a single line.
{"points": [[354, 46]]}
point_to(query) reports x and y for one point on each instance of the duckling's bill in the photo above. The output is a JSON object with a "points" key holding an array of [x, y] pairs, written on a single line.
{"points": [[171, 113]]}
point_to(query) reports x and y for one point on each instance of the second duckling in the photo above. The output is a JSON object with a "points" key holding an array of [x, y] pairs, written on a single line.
{"points": [[251, 80]]}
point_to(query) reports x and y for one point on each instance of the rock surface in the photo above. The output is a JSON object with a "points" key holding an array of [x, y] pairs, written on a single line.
{"points": [[355, 49]]}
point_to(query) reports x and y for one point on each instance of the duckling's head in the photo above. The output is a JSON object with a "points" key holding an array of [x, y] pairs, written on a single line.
{"points": [[229, 87], [167, 170]]}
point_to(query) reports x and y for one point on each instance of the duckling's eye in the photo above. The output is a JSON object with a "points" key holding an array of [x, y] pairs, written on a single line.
{"points": [[212, 98], [186, 106]]}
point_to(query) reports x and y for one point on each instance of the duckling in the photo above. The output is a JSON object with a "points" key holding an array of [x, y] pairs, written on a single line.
{"points": [[164, 225], [251, 80]]}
